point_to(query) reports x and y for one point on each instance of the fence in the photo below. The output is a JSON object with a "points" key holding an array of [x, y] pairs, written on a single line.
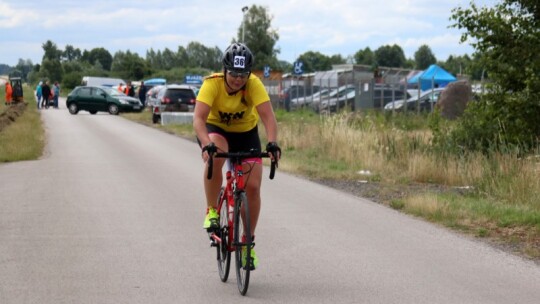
{"points": [[358, 88]]}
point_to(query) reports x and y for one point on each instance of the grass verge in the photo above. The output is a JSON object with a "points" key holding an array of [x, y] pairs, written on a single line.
{"points": [[23, 139]]}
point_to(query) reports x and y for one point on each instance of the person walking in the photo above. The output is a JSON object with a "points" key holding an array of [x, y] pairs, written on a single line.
{"points": [[39, 94], [46, 94], [9, 93], [142, 94], [56, 91]]}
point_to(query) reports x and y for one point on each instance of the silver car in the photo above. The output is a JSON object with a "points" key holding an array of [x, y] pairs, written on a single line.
{"points": [[427, 101], [306, 101]]}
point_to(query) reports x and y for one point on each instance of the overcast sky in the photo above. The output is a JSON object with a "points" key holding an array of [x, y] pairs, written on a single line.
{"points": [[326, 26]]}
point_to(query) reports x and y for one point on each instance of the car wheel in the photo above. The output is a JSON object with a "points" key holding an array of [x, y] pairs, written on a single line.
{"points": [[155, 118], [73, 108], [93, 112], [113, 109]]}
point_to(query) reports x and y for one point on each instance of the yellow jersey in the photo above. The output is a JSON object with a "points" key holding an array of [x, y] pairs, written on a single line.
{"points": [[236, 112]]}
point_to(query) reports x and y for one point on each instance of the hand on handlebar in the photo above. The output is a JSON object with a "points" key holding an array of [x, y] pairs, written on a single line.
{"points": [[208, 150], [274, 150]]}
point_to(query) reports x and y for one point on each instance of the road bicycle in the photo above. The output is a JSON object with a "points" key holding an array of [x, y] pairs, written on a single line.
{"points": [[234, 233]]}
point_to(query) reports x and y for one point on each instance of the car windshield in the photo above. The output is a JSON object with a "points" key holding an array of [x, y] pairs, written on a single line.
{"points": [[112, 91], [180, 94]]}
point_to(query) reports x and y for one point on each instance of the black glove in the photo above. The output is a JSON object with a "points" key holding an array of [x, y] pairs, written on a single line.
{"points": [[210, 148], [273, 148]]}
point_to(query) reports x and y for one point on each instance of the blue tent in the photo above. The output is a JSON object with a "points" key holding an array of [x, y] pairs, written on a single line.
{"points": [[155, 81], [433, 76]]}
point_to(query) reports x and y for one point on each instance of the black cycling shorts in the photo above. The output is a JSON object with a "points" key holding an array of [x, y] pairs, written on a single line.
{"points": [[238, 141]]}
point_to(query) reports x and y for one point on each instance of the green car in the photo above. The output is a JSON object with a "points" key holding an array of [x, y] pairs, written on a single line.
{"points": [[101, 99]]}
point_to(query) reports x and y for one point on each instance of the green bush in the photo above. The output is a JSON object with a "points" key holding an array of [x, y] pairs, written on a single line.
{"points": [[498, 122]]}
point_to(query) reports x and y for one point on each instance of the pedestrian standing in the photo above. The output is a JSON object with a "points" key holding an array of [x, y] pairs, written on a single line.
{"points": [[9, 93], [46, 94], [39, 94], [142, 94], [56, 90]]}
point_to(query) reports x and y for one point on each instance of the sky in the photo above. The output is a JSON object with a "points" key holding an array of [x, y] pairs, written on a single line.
{"points": [[330, 27]]}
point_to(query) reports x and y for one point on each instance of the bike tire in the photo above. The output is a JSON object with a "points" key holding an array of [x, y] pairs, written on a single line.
{"points": [[242, 228], [223, 252]]}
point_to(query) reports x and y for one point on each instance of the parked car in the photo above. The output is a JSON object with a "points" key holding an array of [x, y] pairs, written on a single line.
{"points": [[384, 94], [101, 99], [306, 101], [343, 97], [322, 104], [151, 95], [427, 100], [173, 98], [295, 91]]}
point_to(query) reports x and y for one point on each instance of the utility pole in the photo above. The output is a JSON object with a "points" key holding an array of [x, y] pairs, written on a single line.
{"points": [[244, 10]]}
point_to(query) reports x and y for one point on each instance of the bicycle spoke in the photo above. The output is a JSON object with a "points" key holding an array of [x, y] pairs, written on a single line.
{"points": [[223, 253], [242, 238]]}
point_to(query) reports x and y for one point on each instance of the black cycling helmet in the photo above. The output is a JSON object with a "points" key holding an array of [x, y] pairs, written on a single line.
{"points": [[237, 57]]}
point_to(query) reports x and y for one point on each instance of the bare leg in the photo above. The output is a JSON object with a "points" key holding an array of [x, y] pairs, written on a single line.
{"points": [[212, 186], [253, 192]]}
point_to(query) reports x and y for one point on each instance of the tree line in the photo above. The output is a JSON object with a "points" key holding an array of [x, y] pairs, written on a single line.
{"points": [[70, 64], [505, 38]]}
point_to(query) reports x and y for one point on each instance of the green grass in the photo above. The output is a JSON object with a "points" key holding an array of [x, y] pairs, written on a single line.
{"points": [[24, 139]]}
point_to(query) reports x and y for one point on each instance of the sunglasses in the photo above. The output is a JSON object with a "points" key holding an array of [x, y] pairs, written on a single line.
{"points": [[242, 75]]}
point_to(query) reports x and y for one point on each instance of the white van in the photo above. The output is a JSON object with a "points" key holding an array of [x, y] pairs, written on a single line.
{"points": [[102, 81]]}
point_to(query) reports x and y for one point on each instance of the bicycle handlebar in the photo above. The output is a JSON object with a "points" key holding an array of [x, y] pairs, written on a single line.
{"points": [[238, 156]]}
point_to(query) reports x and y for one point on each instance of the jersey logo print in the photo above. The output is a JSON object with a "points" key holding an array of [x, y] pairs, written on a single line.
{"points": [[227, 118]]}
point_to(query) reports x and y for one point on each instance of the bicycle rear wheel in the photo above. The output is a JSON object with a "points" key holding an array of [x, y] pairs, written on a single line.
{"points": [[242, 240], [223, 253]]}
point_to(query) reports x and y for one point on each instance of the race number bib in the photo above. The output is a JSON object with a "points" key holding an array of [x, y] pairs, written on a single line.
{"points": [[239, 62]]}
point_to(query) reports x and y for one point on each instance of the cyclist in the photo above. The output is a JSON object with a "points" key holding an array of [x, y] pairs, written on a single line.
{"points": [[228, 108]]}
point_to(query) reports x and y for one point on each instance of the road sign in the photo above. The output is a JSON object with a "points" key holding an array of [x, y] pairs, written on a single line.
{"points": [[298, 68], [193, 79], [266, 71]]}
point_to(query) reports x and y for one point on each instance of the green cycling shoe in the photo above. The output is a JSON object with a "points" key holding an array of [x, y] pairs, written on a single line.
{"points": [[211, 221]]}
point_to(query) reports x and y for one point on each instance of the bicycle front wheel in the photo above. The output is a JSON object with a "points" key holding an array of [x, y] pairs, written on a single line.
{"points": [[223, 252], [242, 240]]}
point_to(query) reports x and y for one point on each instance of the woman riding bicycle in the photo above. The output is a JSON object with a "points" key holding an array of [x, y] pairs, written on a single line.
{"points": [[227, 111]]}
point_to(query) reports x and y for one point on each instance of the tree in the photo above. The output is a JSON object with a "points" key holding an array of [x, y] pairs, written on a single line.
{"points": [[315, 61], [458, 65], [507, 36], [51, 51], [337, 59], [71, 53], [25, 67], [183, 57], [102, 56], [260, 37], [507, 42], [390, 56], [424, 57], [365, 57], [51, 68], [200, 56], [129, 66], [4, 69], [170, 59]]}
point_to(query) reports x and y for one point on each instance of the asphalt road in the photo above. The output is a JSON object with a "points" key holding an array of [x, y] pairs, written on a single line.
{"points": [[112, 213]]}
